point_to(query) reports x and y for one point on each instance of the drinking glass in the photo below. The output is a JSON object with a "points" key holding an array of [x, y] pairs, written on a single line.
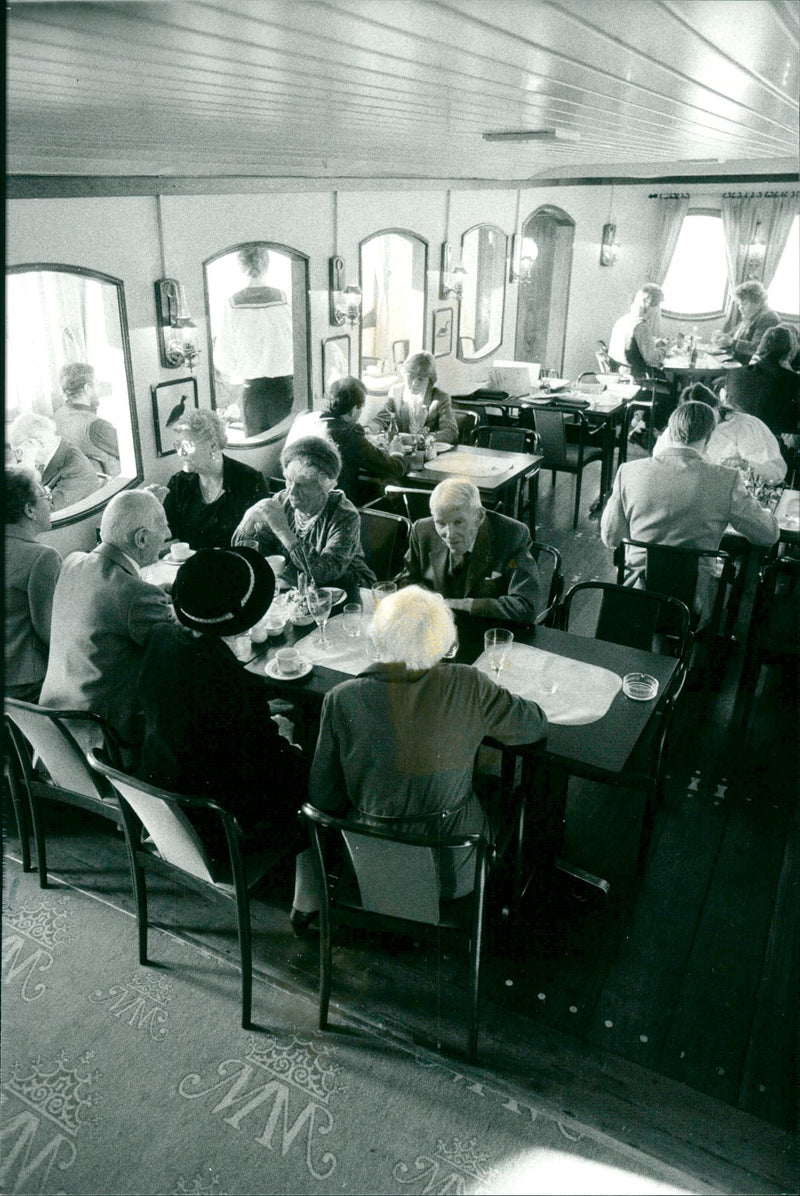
{"points": [[254, 544], [545, 677], [351, 620], [382, 590], [497, 645], [319, 605]]}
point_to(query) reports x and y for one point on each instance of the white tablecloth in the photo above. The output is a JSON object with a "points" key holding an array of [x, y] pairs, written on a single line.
{"points": [[470, 465], [583, 692], [344, 654]]}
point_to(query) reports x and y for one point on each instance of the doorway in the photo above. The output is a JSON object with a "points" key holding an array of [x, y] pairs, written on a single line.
{"points": [[543, 296]]}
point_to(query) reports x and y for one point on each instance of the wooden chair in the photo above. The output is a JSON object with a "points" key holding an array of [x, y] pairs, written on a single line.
{"points": [[516, 440], [49, 764], [175, 848], [547, 556], [393, 885], [674, 570], [561, 456], [773, 637], [634, 618], [467, 422], [384, 539], [408, 501]]}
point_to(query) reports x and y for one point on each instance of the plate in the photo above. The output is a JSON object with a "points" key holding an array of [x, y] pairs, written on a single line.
{"points": [[442, 446], [272, 670], [337, 595]]}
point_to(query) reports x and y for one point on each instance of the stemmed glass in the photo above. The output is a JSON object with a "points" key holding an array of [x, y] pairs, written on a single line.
{"points": [[319, 605], [497, 645]]}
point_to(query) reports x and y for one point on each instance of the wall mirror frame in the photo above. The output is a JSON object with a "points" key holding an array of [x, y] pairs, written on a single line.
{"points": [[481, 312], [393, 276], [259, 345], [59, 314], [543, 296]]}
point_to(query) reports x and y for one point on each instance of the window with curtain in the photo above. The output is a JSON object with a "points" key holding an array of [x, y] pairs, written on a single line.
{"points": [[697, 277], [784, 290]]}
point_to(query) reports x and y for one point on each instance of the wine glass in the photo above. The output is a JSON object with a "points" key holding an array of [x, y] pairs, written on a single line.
{"points": [[497, 645], [319, 605]]}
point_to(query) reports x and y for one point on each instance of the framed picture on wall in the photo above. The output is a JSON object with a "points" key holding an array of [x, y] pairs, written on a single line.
{"points": [[170, 401], [335, 360], [442, 331]]}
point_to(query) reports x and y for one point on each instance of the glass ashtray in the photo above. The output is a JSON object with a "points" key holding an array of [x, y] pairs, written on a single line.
{"points": [[641, 687]]}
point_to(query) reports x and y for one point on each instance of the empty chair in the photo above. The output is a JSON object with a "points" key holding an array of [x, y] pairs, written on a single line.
{"points": [[40, 736], [414, 504], [516, 440], [467, 422], [774, 633], [392, 884], [675, 570], [384, 539], [622, 615], [561, 456], [548, 560], [175, 848]]}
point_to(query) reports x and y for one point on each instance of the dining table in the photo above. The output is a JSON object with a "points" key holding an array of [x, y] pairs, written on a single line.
{"points": [[710, 363], [787, 512], [577, 680]]}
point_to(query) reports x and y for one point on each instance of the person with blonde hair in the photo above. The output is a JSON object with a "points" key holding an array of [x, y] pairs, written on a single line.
{"points": [[418, 405], [206, 499], [397, 744]]}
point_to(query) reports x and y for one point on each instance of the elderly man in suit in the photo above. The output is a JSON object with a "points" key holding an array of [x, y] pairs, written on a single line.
{"points": [[679, 498], [103, 612], [66, 471], [478, 560]]}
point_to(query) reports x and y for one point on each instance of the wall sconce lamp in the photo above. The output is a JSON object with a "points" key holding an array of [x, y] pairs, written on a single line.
{"points": [[177, 331], [344, 302], [524, 252], [451, 278], [609, 246]]}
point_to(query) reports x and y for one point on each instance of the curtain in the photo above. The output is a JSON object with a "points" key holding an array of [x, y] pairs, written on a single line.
{"points": [[775, 225], [740, 219], [672, 214]]}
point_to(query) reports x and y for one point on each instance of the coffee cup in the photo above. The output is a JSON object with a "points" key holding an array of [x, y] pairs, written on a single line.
{"points": [[288, 661], [181, 551]]}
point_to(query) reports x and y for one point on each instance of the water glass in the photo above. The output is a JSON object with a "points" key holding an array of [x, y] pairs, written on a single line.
{"points": [[351, 620], [545, 677], [497, 645], [382, 590]]}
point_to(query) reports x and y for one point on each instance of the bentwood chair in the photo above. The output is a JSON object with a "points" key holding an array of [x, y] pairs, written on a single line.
{"points": [[49, 764], [173, 846], [384, 539], [467, 422], [773, 637], [675, 570], [392, 884], [560, 454], [407, 501], [516, 440], [548, 559], [622, 615]]}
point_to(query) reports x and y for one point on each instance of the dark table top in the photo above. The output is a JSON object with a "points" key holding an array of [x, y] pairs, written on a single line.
{"points": [[600, 749], [517, 465]]}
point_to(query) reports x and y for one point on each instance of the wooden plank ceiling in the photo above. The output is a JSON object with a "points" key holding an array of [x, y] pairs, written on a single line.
{"points": [[403, 89]]}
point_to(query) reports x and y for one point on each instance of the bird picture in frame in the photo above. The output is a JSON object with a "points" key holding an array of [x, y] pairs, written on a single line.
{"points": [[170, 403]]}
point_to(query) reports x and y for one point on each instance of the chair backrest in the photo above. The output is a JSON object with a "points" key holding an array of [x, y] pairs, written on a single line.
{"points": [[549, 558], [160, 813], [467, 422], [415, 504], [551, 429], [384, 539], [632, 617], [51, 735], [602, 358], [508, 440], [400, 351], [673, 570]]}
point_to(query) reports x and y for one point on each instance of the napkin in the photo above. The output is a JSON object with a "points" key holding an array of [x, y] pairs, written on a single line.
{"points": [[583, 692]]}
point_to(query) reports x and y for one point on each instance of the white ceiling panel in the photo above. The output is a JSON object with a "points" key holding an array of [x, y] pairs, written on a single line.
{"points": [[401, 89]]}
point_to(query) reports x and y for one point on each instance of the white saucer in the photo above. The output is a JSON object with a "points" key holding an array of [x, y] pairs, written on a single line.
{"points": [[169, 559], [442, 446], [272, 670]]}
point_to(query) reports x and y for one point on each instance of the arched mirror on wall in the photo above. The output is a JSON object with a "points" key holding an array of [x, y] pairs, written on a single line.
{"points": [[257, 308], [543, 298], [480, 319], [70, 405], [393, 267]]}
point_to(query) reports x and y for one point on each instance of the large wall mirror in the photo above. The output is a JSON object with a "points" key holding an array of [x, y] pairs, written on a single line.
{"points": [[70, 406], [257, 307], [480, 319], [393, 267]]}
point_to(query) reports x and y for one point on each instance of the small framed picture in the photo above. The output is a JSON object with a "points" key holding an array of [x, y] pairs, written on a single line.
{"points": [[443, 331], [170, 401], [335, 360]]}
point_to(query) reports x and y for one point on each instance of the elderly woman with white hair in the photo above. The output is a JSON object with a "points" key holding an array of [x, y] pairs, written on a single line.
{"points": [[419, 405], [397, 744], [311, 522]]}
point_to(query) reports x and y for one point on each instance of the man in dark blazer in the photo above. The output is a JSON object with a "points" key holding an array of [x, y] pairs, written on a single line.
{"points": [[65, 470], [755, 317], [479, 561], [103, 613]]}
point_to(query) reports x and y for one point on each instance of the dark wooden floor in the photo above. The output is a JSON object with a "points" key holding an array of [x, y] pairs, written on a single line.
{"points": [[692, 975]]}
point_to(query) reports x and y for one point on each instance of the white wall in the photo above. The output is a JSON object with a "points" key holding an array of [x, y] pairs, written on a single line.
{"points": [[119, 236]]}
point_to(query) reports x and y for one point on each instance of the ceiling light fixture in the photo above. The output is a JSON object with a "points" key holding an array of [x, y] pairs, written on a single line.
{"points": [[534, 135]]}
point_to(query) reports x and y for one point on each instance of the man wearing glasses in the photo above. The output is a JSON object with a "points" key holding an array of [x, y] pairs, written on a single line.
{"points": [[31, 573], [64, 469]]}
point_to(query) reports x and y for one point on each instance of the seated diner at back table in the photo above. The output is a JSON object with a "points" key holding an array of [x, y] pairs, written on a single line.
{"points": [[418, 405]]}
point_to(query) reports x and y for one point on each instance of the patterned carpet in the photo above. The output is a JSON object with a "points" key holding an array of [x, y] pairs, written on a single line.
{"points": [[117, 1078]]}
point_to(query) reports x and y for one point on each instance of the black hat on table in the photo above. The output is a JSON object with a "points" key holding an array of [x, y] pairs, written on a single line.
{"points": [[223, 591]]}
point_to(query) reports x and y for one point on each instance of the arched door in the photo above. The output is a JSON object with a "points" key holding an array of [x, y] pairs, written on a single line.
{"points": [[543, 297]]}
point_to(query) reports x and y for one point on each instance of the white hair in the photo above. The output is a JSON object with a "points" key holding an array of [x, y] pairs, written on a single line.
{"points": [[457, 492], [31, 426], [413, 627], [125, 514]]}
